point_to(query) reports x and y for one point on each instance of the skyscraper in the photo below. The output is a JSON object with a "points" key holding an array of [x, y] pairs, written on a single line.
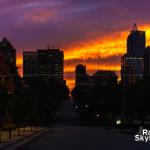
{"points": [[132, 63], [9, 51], [8, 69], [4, 70], [30, 64], [51, 64], [136, 41], [47, 64]]}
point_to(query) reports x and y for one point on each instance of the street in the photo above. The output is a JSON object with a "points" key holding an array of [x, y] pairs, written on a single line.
{"points": [[69, 134]]}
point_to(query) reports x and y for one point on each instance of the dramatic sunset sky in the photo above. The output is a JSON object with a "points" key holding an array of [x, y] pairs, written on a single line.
{"points": [[91, 32]]}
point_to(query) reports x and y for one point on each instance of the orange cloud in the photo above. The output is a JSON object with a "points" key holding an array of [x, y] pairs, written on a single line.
{"points": [[108, 46], [113, 45]]}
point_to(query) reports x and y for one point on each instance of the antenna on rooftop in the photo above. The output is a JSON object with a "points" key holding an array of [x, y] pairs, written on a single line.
{"points": [[135, 27]]}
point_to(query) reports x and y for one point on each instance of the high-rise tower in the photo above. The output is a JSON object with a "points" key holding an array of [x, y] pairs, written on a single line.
{"points": [[30, 64], [44, 63], [136, 41], [132, 63], [9, 51]]}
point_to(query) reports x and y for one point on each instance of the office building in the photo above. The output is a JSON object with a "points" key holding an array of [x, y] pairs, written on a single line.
{"points": [[132, 63], [51, 64], [136, 41], [30, 64], [7, 49], [44, 63]]}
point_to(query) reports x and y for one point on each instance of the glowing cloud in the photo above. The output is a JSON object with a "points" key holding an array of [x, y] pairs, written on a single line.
{"points": [[103, 54]]}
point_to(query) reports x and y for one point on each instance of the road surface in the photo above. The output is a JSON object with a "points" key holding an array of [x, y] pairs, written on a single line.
{"points": [[68, 134]]}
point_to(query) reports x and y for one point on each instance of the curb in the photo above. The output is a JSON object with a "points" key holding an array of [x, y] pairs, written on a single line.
{"points": [[20, 142]]}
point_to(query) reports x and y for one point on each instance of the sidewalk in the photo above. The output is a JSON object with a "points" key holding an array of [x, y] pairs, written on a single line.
{"points": [[18, 140]]}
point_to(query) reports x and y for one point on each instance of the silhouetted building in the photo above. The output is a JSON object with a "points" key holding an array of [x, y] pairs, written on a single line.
{"points": [[51, 64], [4, 70], [147, 62], [9, 52], [132, 63], [81, 75], [136, 41], [130, 74], [47, 64], [105, 78], [6, 81], [7, 49], [30, 64], [8, 69]]}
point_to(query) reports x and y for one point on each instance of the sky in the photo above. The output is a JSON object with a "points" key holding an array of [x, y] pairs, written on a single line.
{"points": [[91, 32]]}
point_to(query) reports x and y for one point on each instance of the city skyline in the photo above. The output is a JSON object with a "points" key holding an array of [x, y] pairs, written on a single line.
{"points": [[84, 30], [95, 62], [92, 64], [133, 61]]}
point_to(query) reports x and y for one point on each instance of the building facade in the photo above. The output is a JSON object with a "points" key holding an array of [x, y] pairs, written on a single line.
{"points": [[47, 64], [136, 41], [30, 64], [8, 69], [9, 51], [51, 64], [132, 63]]}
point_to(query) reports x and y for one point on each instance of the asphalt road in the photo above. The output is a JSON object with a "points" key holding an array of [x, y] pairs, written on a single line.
{"points": [[68, 134]]}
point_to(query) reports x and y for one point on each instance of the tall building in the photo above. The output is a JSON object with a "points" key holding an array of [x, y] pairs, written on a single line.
{"points": [[48, 64], [81, 75], [147, 62], [136, 41], [8, 69], [4, 70], [51, 64], [30, 64], [9, 51], [132, 63]]}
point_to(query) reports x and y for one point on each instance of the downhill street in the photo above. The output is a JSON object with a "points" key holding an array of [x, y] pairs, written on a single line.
{"points": [[69, 134]]}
